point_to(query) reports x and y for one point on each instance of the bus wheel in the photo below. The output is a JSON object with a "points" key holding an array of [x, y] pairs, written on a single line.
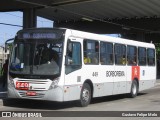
{"points": [[134, 89], [85, 96]]}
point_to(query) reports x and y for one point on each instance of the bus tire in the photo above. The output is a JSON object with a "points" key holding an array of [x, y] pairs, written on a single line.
{"points": [[134, 89], [85, 96]]}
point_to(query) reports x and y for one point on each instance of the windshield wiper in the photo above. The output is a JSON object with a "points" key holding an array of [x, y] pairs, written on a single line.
{"points": [[35, 55], [40, 56], [31, 69]]}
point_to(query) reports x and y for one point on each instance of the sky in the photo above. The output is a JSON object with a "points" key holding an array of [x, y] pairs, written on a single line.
{"points": [[16, 18]]}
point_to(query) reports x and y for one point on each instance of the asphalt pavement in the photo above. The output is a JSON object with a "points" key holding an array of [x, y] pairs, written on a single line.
{"points": [[3, 92]]}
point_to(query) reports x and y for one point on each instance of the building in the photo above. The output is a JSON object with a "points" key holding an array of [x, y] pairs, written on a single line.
{"points": [[3, 56]]}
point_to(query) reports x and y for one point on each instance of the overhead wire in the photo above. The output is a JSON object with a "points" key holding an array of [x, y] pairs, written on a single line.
{"points": [[18, 17], [11, 24], [22, 17]]}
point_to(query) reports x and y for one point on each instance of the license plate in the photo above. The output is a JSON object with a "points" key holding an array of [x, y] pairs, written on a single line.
{"points": [[31, 93], [22, 85]]}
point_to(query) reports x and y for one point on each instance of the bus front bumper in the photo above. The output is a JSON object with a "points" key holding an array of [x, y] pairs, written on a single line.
{"points": [[55, 94]]}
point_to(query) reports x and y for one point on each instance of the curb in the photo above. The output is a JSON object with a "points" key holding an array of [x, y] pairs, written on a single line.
{"points": [[1, 102], [157, 84], [2, 96]]}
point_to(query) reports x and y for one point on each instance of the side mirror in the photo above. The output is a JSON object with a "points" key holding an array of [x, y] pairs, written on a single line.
{"points": [[68, 61], [8, 43], [6, 47]]}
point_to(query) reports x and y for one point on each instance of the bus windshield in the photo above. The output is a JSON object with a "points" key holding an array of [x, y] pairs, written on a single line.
{"points": [[39, 57]]}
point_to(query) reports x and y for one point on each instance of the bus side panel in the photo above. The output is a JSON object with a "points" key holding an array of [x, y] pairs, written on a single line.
{"points": [[102, 84], [72, 87], [129, 78], [120, 77], [55, 94], [102, 81], [147, 77]]}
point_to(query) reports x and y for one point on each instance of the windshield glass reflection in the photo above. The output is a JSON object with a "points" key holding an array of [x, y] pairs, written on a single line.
{"points": [[36, 58]]}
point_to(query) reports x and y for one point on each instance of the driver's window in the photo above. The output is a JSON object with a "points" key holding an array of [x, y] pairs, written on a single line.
{"points": [[73, 56]]}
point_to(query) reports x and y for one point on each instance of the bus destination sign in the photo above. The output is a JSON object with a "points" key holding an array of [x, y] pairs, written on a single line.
{"points": [[37, 36]]}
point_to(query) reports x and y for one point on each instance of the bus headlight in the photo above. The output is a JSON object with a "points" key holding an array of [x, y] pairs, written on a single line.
{"points": [[11, 82], [54, 84]]}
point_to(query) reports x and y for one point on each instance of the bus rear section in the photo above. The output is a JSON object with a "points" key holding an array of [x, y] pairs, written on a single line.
{"points": [[101, 66]]}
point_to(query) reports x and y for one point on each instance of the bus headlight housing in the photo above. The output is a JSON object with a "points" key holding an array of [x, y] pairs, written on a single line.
{"points": [[11, 82], [54, 84]]}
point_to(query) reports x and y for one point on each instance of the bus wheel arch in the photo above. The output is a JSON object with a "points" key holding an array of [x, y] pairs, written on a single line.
{"points": [[134, 88], [86, 94], [88, 81]]}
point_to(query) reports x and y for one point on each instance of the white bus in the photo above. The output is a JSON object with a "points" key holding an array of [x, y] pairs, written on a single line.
{"points": [[65, 65]]}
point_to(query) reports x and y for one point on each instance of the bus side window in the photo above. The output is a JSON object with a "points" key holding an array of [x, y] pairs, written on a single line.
{"points": [[141, 56], [120, 54], [106, 53], [132, 55], [91, 52], [151, 57]]}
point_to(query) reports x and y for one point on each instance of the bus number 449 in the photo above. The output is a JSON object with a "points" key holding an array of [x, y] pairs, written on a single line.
{"points": [[95, 74]]}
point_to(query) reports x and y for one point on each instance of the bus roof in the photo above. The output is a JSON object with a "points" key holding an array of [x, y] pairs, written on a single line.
{"points": [[87, 35], [93, 36]]}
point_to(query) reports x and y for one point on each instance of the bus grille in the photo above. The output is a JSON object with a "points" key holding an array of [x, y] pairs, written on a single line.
{"points": [[36, 85]]}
